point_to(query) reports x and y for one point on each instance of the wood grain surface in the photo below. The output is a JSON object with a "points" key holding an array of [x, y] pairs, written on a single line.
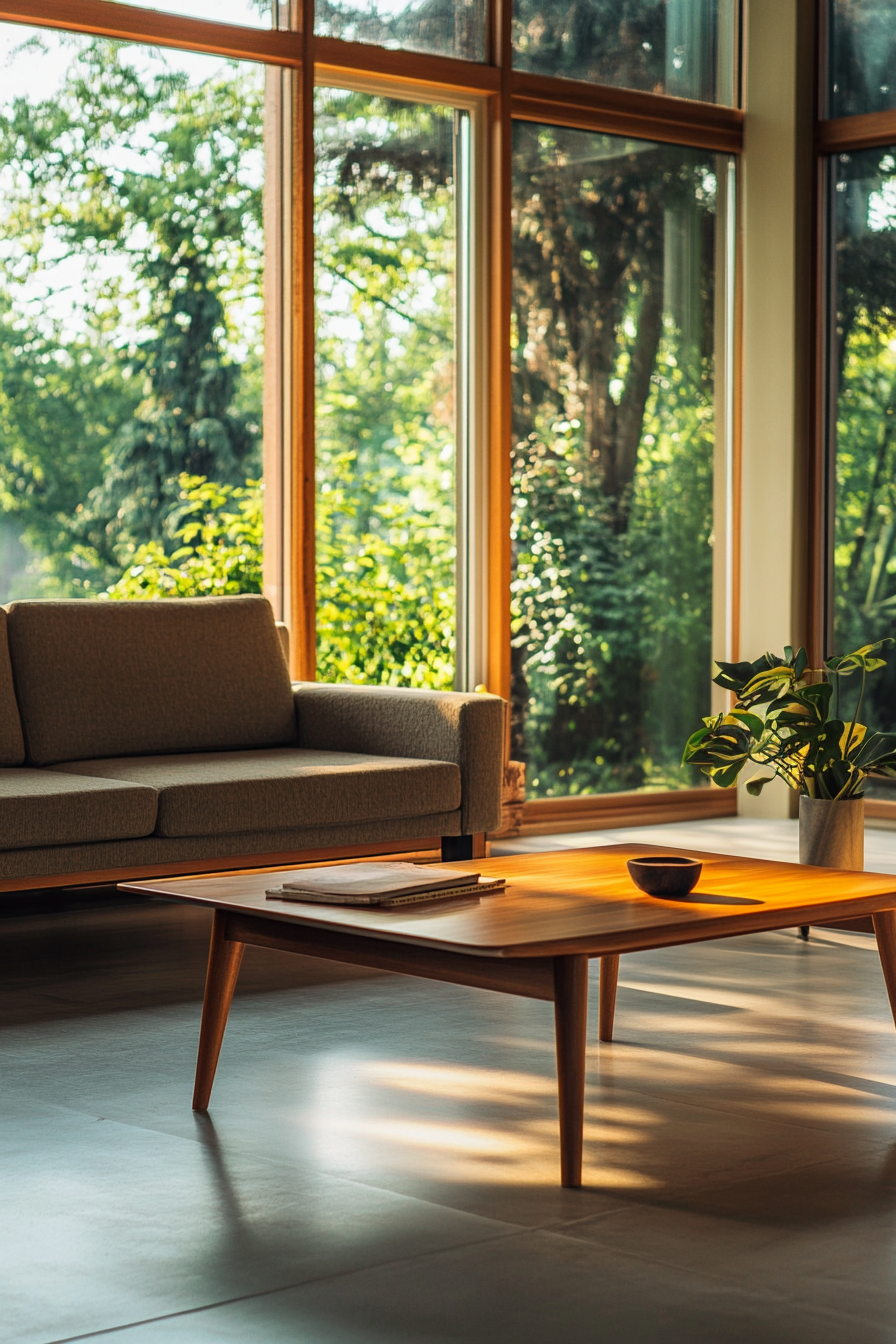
{"points": [[579, 901], [865, 131], [139, 23], [652, 116]]}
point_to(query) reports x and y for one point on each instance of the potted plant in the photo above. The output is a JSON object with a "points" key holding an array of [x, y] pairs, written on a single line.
{"points": [[790, 719]]}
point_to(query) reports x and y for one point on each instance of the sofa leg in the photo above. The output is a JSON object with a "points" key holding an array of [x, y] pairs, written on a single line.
{"points": [[456, 848]]}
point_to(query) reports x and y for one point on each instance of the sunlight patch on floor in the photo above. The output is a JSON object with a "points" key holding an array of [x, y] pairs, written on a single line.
{"points": [[726, 998], [519, 1155], [361, 1129], [441, 1080]]}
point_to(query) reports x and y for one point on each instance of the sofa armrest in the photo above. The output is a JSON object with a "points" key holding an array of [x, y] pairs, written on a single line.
{"points": [[422, 725]]}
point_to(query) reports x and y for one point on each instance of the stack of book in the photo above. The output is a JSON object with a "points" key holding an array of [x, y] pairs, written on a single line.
{"points": [[383, 885]]}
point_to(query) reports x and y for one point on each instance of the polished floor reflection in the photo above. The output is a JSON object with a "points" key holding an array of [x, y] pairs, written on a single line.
{"points": [[380, 1161]]}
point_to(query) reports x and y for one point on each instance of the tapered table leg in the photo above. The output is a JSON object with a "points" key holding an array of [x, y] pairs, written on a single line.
{"points": [[224, 959], [609, 977], [885, 930], [571, 1028]]}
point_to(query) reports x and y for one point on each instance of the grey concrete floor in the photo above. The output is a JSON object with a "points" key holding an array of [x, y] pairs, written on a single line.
{"points": [[379, 1165]]}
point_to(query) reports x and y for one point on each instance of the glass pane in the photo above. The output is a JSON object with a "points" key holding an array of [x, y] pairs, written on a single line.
{"points": [[863, 57], [131, 336], [863, 360], [385, 227], [249, 13], [614, 258], [681, 47], [443, 27]]}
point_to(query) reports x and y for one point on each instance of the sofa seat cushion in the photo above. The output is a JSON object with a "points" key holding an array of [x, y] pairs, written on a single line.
{"points": [[40, 808], [226, 792]]}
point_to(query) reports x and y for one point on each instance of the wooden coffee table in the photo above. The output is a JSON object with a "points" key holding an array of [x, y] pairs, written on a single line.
{"points": [[535, 939]]}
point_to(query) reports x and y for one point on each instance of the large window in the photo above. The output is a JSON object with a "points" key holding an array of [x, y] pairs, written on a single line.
{"points": [[863, 361], [131, 326], [446, 27], [857, 398], [614, 428], [679, 47], [414, 316], [257, 12], [386, 437], [863, 57]]}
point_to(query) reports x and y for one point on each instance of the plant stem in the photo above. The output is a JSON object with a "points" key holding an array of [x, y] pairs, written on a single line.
{"points": [[855, 716], [787, 747], [781, 770], [836, 695]]}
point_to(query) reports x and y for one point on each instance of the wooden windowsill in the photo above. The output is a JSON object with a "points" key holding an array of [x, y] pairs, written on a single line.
{"points": [[547, 816], [880, 810]]}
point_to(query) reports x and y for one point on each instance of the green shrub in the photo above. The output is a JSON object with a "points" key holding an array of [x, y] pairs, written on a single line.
{"points": [[221, 531]]}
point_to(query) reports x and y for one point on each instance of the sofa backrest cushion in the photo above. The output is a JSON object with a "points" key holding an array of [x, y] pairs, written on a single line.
{"points": [[12, 744], [149, 677]]}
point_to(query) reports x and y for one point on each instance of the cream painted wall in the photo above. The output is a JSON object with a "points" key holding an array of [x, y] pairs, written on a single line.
{"points": [[772, 222]]}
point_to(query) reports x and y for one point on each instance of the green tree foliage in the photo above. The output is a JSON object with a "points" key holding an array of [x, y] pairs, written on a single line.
{"points": [[220, 530], [865, 369], [60, 403], [614, 434], [385, 414], [143, 190], [662, 46], [608, 41], [447, 27], [863, 49]]}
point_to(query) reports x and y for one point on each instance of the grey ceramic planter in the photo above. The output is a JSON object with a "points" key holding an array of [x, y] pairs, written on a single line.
{"points": [[832, 832]]}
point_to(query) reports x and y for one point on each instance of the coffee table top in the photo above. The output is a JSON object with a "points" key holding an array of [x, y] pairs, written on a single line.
{"points": [[558, 903]]}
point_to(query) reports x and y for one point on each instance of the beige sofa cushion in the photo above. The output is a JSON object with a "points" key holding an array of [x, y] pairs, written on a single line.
{"points": [[12, 744], [223, 793], [38, 808], [134, 678]]}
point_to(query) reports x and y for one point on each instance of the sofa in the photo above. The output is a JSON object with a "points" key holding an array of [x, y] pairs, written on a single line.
{"points": [[142, 738]]}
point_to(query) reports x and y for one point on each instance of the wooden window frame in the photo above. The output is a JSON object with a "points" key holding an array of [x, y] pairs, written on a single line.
{"points": [[507, 95]]}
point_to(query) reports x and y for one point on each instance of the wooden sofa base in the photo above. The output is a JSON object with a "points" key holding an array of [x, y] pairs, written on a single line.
{"points": [[427, 849]]}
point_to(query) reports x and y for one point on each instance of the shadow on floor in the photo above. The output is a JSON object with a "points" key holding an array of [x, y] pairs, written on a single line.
{"points": [[97, 952]]}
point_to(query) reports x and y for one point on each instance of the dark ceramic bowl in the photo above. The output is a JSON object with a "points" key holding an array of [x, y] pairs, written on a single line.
{"points": [[665, 874]]}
